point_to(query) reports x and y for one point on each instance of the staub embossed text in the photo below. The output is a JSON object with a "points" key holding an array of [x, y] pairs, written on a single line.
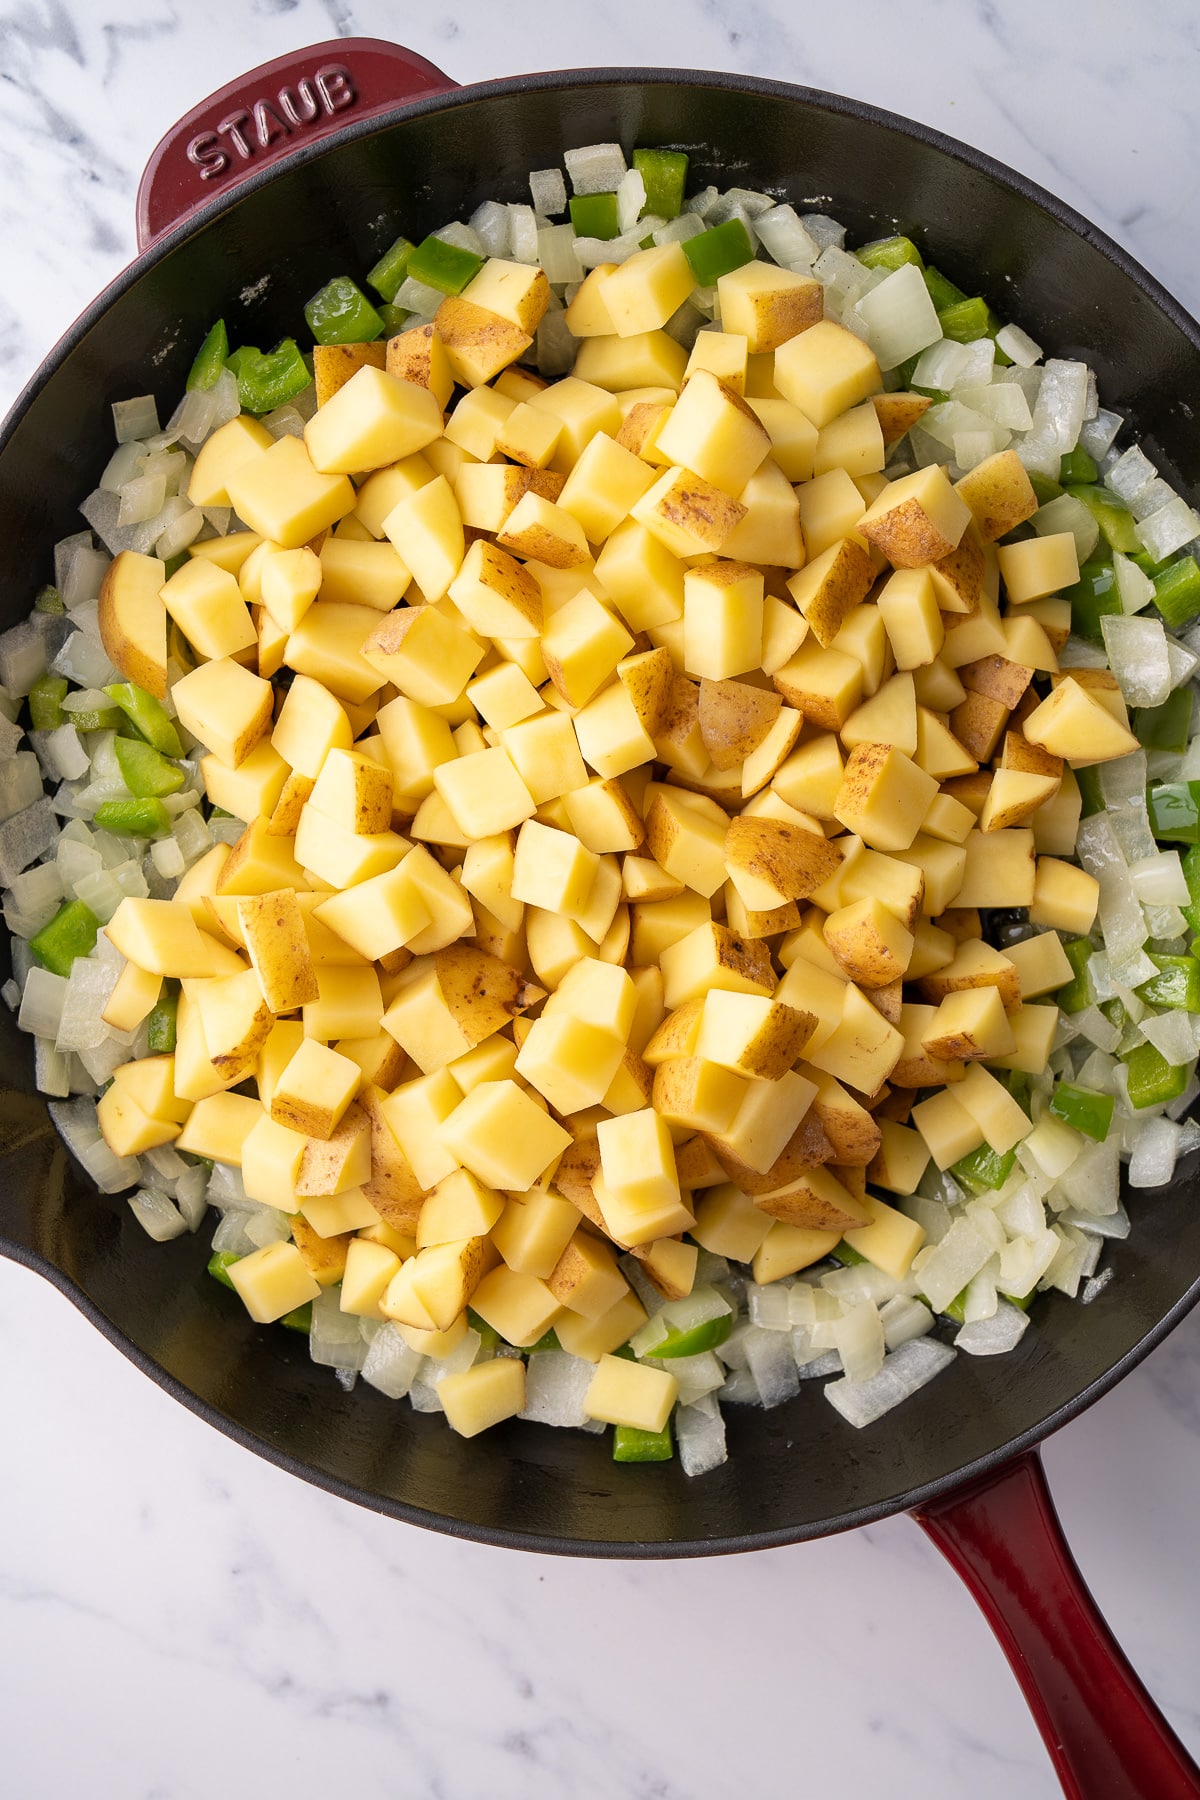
{"points": [[256, 127]]}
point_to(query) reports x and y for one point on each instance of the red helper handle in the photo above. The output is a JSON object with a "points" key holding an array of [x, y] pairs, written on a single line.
{"points": [[270, 113], [1106, 1737]]}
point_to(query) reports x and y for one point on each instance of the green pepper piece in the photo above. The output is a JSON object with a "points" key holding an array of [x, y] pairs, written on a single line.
{"points": [[1044, 486], [890, 253], [1018, 1084], [696, 1339], [45, 702], [49, 600], [147, 715], [340, 313], [1166, 727], [145, 771], [446, 267], [1174, 808], [134, 818], [211, 358], [70, 933], [1191, 874], [1089, 792], [984, 1169], [267, 379], [490, 1338], [1177, 590], [1118, 528], [846, 1255], [966, 320], [393, 319], [635, 1446], [1083, 1108], [1077, 465], [956, 1309], [594, 215], [299, 1319], [718, 252], [160, 1025], [388, 273], [218, 1266], [1078, 992], [1115, 1012], [547, 1341], [942, 290], [1093, 595], [665, 175], [1176, 986], [1152, 1079], [105, 718]]}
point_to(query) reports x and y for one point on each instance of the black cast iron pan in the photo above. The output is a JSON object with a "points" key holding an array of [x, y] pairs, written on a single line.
{"points": [[307, 168]]}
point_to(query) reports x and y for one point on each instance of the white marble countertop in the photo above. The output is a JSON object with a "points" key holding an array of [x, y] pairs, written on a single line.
{"points": [[180, 1619]]}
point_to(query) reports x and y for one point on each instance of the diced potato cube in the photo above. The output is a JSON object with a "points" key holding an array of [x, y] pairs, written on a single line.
{"points": [[900, 1161], [161, 937], [1002, 1121], [864, 1048], [824, 370], [586, 1279], [629, 1393], [917, 519], [538, 528], [1041, 964], [369, 1269], [715, 433], [217, 1127], [829, 588], [722, 618], [231, 447], [484, 792], [729, 1224], [476, 1399], [869, 942], [478, 342], [1000, 869], [948, 1129], [1039, 566], [884, 796], [502, 1136], [771, 861], [517, 1304], [825, 685], [373, 419], [768, 305], [427, 657], [688, 514], [283, 496], [206, 603], [642, 292], [909, 608], [999, 493], [273, 1281], [314, 1090], [787, 1248], [226, 707], [1074, 723], [532, 1233], [1064, 897]]}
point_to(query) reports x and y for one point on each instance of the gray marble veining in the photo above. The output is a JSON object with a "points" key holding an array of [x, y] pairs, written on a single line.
{"points": [[178, 1618]]}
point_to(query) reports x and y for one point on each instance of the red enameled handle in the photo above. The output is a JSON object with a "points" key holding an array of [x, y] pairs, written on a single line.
{"points": [[267, 114], [1106, 1737]]}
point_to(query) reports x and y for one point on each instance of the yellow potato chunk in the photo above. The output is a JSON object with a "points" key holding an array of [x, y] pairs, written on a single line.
{"points": [[206, 603], [478, 1398], [831, 586], [373, 419], [714, 433], [643, 292], [722, 619], [226, 707], [284, 497], [314, 1090], [502, 1136], [825, 370], [767, 305], [273, 1281], [916, 520], [1064, 897], [630, 1393], [424, 654], [884, 796], [688, 514], [1038, 566]]}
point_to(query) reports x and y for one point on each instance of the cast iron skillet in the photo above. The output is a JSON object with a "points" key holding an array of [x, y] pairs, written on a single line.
{"points": [[370, 139]]}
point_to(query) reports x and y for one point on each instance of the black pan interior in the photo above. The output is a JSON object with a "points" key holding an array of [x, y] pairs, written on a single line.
{"points": [[798, 1471]]}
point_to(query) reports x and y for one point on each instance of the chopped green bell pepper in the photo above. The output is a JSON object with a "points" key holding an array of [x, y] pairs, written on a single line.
{"points": [[134, 818], [846, 1255], [218, 1266], [1165, 727], [1118, 528], [665, 175], [1077, 465], [105, 718], [718, 252], [594, 215], [147, 715], [1176, 987], [391, 269], [1174, 808], [696, 1339], [1045, 487], [942, 290], [145, 771], [1177, 591], [890, 253], [984, 1169], [300, 1319], [966, 320], [1078, 992], [1115, 1012], [45, 702], [267, 379], [1153, 1081], [1093, 595], [1083, 1108], [211, 358], [70, 933], [49, 600], [446, 267], [160, 1025], [635, 1446], [340, 313], [393, 319], [1191, 874], [1090, 794]]}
